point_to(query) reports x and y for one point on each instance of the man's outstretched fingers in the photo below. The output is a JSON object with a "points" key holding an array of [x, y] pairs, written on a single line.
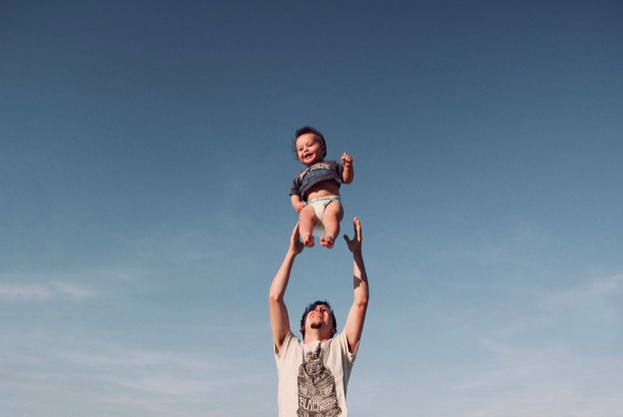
{"points": [[295, 240], [357, 227], [354, 243]]}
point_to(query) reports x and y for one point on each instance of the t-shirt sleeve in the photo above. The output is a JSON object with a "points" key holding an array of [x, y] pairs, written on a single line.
{"points": [[343, 341], [339, 168], [284, 347], [295, 188]]}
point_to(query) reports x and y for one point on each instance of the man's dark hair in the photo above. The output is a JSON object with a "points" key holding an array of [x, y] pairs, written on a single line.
{"points": [[312, 307], [308, 129]]}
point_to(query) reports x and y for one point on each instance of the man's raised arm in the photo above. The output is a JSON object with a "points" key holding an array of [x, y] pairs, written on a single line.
{"points": [[279, 319], [357, 314]]}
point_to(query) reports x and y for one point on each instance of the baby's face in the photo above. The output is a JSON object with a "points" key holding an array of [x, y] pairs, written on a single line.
{"points": [[309, 149]]}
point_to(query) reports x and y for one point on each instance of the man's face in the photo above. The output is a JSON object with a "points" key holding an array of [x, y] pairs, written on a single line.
{"points": [[320, 318]]}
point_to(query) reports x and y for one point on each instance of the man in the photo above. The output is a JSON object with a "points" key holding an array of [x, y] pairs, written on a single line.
{"points": [[314, 373]]}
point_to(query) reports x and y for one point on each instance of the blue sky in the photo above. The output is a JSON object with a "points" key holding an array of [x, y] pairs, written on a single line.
{"points": [[144, 168]]}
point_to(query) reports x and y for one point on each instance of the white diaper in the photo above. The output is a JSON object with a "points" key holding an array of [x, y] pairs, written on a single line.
{"points": [[319, 205]]}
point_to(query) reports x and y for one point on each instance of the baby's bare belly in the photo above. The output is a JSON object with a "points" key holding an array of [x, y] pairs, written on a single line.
{"points": [[323, 189]]}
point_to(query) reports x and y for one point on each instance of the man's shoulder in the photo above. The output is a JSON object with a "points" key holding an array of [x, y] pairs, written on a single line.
{"points": [[289, 342]]}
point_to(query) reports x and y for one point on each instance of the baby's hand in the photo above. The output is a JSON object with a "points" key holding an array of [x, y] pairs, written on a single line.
{"points": [[347, 160], [300, 207]]}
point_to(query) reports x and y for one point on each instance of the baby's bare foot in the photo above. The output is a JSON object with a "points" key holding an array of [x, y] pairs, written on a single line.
{"points": [[327, 241], [308, 241]]}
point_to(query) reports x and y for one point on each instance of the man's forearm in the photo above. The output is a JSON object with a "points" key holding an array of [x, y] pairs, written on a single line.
{"points": [[279, 319], [360, 280], [357, 314], [282, 277]]}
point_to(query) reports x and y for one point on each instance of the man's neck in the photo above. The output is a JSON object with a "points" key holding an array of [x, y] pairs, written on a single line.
{"points": [[313, 336]]}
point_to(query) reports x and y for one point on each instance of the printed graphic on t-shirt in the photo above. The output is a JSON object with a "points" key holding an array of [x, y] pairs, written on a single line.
{"points": [[315, 171], [316, 384]]}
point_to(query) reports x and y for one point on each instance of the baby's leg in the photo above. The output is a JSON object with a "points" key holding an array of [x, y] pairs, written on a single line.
{"points": [[331, 219], [307, 222]]}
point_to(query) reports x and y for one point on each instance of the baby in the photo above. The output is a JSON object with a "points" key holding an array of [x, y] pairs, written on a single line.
{"points": [[315, 191]]}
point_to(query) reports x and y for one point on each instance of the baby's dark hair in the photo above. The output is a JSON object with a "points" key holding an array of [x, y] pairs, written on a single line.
{"points": [[312, 307], [308, 129]]}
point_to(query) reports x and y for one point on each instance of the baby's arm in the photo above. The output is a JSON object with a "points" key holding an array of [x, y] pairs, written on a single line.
{"points": [[297, 203], [349, 172]]}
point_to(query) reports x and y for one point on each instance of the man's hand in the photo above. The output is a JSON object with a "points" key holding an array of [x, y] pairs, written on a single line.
{"points": [[354, 245], [296, 246]]}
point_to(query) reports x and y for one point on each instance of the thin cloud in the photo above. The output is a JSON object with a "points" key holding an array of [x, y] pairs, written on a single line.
{"points": [[160, 382], [25, 292], [599, 296], [172, 386], [74, 285], [73, 291], [558, 374], [136, 358], [38, 292], [542, 381]]}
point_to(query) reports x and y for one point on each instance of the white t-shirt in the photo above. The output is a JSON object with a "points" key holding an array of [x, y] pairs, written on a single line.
{"points": [[313, 377]]}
